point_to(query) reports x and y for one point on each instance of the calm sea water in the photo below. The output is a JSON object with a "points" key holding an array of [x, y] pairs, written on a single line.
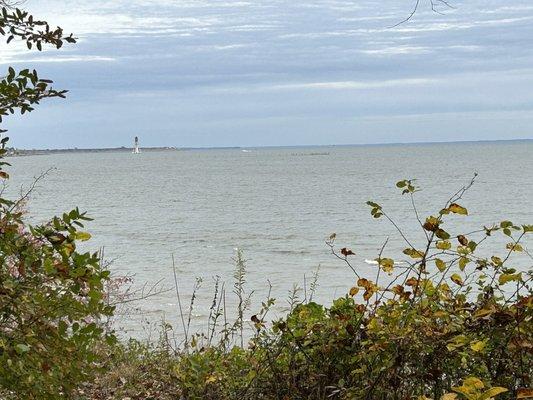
{"points": [[277, 205]]}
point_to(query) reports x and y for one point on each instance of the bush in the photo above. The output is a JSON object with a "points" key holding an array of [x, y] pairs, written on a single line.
{"points": [[453, 322], [51, 300]]}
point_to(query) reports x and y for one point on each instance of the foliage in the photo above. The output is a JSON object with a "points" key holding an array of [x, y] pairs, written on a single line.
{"points": [[51, 300], [451, 321], [51, 295], [22, 90]]}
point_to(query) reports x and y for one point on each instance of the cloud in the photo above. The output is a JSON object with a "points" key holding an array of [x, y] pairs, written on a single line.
{"points": [[58, 59], [220, 60], [352, 85]]}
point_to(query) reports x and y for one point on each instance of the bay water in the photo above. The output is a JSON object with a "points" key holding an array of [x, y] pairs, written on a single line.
{"points": [[278, 205]]}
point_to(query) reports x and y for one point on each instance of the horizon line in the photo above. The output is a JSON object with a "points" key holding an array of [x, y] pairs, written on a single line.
{"points": [[80, 149]]}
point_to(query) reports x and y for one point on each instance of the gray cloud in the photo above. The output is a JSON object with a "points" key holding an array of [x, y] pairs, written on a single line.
{"points": [[227, 72]]}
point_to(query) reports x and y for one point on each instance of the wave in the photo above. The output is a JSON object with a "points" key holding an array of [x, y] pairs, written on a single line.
{"points": [[374, 262]]}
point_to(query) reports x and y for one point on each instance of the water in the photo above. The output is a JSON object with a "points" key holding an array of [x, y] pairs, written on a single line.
{"points": [[277, 204]]}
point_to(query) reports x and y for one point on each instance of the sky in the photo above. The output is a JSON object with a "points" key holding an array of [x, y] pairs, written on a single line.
{"points": [[208, 73]]}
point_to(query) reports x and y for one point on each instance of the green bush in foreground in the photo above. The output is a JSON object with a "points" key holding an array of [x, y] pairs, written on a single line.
{"points": [[51, 301], [455, 322]]}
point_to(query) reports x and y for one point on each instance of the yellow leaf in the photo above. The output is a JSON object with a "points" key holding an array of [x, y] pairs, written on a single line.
{"points": [[457, 209], [490, 393], [68, 248], [478, 346], [387, 264], [457, 342], [484, 312], [456, 278], [441, 265], [449, 396], [473, 382], [354, 291], [443, 245], [465, 391], [496, 260], [83, 236], [413, 253], [514, 247]]}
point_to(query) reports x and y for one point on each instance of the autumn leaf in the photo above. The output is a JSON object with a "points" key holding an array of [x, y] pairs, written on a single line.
{"points": [[484, 312], [353, 291], [411, 281], [83, 236], [413, 253], [431, 224], [449, 396], [347, 252], [456, 278], [443, 245], [490, 393], [457, 209], [504, 278], [524, 393], [462, 239], [387, 264], [463, 261], [514, 247], [478, 346], [474, 382], [441, 265]]}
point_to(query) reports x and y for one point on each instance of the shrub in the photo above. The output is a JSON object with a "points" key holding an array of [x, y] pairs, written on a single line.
{"points": [[454, 321], [51, 300]]}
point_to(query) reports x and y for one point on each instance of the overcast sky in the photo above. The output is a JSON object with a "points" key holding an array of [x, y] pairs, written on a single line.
{"points": [[279, 72]]}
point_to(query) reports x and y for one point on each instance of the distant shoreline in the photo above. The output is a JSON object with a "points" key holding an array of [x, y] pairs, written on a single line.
{"points": [[28, 152]]}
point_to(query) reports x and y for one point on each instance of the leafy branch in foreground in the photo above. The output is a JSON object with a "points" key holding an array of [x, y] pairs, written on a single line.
{"points": [[17, 23], [24, 89]]}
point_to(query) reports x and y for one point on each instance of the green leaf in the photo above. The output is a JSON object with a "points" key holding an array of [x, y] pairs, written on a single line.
{"points": [[488, 394], [472, 246], [442, 234], [82, 236], [372, 204], [462, 263], [505, 278], [22, 348]]}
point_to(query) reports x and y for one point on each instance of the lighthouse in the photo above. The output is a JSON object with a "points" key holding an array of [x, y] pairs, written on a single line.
{"points": [[136, 146]]}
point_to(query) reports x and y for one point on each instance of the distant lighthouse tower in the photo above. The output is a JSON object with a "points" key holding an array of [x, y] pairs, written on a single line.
{"points": [[136, 146]]}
